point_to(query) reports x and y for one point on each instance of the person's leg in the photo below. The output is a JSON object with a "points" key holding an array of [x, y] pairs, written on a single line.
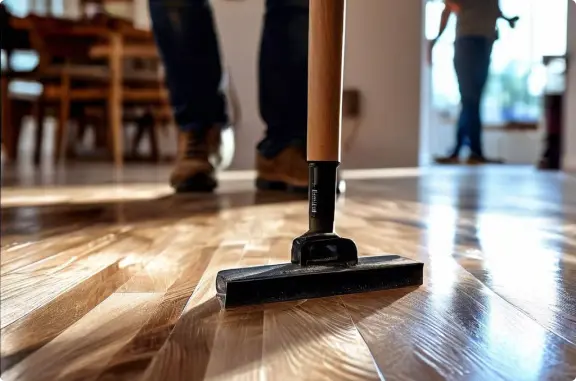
{"points": [[482, 68], [185, 34], [283, 73], [464, 64], [281, 157], [461, 132]]}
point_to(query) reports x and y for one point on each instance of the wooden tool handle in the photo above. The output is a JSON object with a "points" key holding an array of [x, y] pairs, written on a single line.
{"points": [[325, 70]]}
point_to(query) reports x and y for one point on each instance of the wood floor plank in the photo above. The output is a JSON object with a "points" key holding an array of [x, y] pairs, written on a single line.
{"points": [[133, 359], [25, 335], [37, 256], [238, 342], [186, 353], [76, 355], [551, 301], [30, 333], [465, 332], [166, 267], [314, 340], [30, 251], [24, 295], [36, 285]]}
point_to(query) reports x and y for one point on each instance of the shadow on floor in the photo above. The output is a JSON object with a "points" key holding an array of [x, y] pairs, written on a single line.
{"points": [[58, 219]]}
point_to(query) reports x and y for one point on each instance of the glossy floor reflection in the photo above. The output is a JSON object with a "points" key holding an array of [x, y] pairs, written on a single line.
{"points": [[116, 282]]}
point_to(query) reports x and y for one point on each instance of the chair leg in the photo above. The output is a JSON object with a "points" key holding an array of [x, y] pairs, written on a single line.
{"points": [[115, 101], [17, 115], [39, 138], [155, 149], [63, 119], [7, 127]]}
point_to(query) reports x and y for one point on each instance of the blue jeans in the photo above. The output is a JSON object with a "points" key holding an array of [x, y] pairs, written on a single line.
{"points": [[472, 63], [187, 40]]}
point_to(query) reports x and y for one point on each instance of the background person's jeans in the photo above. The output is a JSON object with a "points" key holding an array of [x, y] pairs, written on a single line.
{"points": [[472, 63], [187, 40]]}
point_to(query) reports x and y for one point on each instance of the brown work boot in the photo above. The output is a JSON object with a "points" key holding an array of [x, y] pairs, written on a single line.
{"points": [[198, 155], [452, 159], [286, 171]]}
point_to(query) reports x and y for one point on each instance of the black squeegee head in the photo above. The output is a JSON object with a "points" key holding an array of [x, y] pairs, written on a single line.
{"points": [[289, 281]]}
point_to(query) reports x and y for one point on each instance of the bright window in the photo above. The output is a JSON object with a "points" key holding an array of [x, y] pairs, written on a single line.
{"points": [[27, 60], [21, 8], [517, 76]]}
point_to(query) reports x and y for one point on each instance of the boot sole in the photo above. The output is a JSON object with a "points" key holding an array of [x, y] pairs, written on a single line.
{"points": [[199, 183]]}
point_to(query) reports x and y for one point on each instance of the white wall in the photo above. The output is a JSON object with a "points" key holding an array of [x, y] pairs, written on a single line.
{"points": [[570, 105], [384, 58]]}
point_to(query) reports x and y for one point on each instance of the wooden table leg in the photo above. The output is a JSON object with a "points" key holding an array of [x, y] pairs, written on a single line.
{"points": [[115, 99], [39, 135], [7, 128], [63, 118]]}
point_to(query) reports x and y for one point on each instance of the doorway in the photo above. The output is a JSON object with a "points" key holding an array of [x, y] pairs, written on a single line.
{"points": [[513, 96]]}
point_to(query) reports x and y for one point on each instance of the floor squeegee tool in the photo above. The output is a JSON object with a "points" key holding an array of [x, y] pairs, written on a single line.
{"points": [[323, 263]]}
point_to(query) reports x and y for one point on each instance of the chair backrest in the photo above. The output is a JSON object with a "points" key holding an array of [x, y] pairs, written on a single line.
{"points": [[59, 40]]}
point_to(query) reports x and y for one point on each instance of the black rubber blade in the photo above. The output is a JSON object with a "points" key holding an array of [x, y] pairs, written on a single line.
{"points": [[284, 282]]}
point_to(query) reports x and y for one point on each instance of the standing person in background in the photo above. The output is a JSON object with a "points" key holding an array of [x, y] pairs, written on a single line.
{"points": [[188, 43], [476, 32]]}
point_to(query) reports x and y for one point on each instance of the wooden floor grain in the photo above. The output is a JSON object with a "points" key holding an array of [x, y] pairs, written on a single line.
{"points": [[116, 282]]}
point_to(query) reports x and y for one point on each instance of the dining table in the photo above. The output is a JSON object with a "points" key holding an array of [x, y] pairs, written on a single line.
{"points": [[111, 39]]}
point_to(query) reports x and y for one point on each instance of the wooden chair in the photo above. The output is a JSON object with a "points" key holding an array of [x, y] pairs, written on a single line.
{"points": [[53, 67], [72, 79], [83, 84], [12, 39]]}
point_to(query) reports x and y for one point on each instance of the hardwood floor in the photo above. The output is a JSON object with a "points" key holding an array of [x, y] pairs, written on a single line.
{"points": [[116, 282]]}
